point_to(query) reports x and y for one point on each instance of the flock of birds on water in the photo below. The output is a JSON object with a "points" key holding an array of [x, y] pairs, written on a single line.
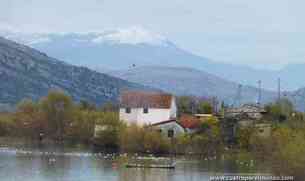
{"points": [[53, 154], [21, 152], [106, 156]]}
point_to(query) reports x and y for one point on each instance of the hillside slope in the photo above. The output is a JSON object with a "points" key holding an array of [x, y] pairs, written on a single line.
{"points": [[188, 81], [27, 73]]}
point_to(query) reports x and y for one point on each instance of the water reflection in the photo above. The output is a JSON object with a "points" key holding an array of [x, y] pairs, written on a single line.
{"points": [[179, 174], [68, 165]]}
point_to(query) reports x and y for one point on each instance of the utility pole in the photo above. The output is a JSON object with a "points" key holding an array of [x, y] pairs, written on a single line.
{"points": [[237, 101], [279, 89], [259, 92], [215, 105]]}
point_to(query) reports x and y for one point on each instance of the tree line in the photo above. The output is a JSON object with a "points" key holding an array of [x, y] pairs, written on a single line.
{"points": [[55, 116], [59, 119]]}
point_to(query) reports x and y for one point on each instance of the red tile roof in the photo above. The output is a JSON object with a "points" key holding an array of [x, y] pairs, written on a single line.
{"points": [[190, 121], [139, 99], [164, 122]]}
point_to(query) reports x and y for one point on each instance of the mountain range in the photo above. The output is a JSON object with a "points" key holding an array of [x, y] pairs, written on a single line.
{"points": [[143, 58], [121, 49], [28, 73]]}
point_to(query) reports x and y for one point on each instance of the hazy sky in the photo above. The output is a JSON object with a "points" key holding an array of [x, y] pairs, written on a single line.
{"points": [[261, 33]]}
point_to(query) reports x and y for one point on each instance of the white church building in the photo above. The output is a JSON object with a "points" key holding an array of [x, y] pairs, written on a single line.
{"points": [[145, 108]]}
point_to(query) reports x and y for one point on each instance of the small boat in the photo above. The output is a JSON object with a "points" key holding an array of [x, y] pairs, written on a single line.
{"points": [[147, 162], [131, 165]]}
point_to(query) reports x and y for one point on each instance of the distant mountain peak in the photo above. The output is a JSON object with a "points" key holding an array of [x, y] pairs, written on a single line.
{"points": [[134, 35]]}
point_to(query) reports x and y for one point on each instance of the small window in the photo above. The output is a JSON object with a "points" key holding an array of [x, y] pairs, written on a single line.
{"points": [[261, 130], [170, 133], [145, 110], [128, 110]]}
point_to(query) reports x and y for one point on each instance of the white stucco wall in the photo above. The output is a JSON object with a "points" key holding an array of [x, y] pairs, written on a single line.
{"points": [[128, 117], [137, 116], [178, 130]]}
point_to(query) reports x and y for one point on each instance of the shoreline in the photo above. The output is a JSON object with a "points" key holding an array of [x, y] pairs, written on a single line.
{"points": [[14, 142]]}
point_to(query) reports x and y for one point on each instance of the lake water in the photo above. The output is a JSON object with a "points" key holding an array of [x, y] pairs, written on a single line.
{"points": [[73, 165]]}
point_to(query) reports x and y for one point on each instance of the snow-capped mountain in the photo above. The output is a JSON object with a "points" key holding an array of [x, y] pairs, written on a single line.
{"points": [[103, 50], [133, 36], [124, 48]]}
